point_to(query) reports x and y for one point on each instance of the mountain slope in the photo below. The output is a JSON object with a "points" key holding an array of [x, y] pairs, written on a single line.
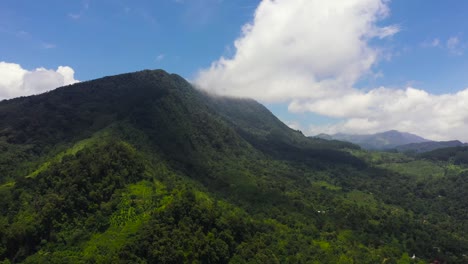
{"points": [[142, 168], [455, 155], [184, 120], [429, 146], [151, 101]]}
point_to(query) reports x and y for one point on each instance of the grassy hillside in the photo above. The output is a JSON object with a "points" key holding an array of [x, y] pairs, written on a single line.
{"points": [[142, 168]]}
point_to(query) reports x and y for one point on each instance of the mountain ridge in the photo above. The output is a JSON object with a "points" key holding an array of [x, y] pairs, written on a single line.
{"points": [[379, 141], [429, 146], [143, 168]]}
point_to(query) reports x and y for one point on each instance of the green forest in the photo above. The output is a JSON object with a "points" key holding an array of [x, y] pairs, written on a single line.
{"points": [[144, 168]]}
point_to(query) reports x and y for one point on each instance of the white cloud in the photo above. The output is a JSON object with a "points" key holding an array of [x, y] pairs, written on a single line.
{"points": [[294, 125], [160, 57], [431, 44], [300, 49], [74, 15], [16, 81], [454, 46], [84, 7], [46, 45], [437, 117], [453, 42], [311, 53]]}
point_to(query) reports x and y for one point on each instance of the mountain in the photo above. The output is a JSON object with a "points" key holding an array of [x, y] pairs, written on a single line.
{"points": [[454, 155], [379, 141], [429, 146], [152, 102], [323, 136], [143, 168]]}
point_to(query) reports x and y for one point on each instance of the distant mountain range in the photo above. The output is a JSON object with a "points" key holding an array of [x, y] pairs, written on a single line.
{"points": [[429, 146], [385, 140], [393, 139]]}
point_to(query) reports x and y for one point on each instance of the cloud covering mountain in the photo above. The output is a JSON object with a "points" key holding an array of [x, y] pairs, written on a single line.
{"points": [[311, 54]]}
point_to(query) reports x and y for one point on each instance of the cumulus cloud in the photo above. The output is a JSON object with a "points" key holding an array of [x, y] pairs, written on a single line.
{"points": [[16, 81], [300, 49], [311, 53], [437, 117]]}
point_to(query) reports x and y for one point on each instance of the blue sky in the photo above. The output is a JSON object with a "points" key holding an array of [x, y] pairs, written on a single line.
{"points": [[437, 69], [104, 37], [426, 51]]}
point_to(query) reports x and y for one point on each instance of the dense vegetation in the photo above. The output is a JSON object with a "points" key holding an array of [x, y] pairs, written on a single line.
{"points": [[428, 146], [142, 168], [456, 155]]}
